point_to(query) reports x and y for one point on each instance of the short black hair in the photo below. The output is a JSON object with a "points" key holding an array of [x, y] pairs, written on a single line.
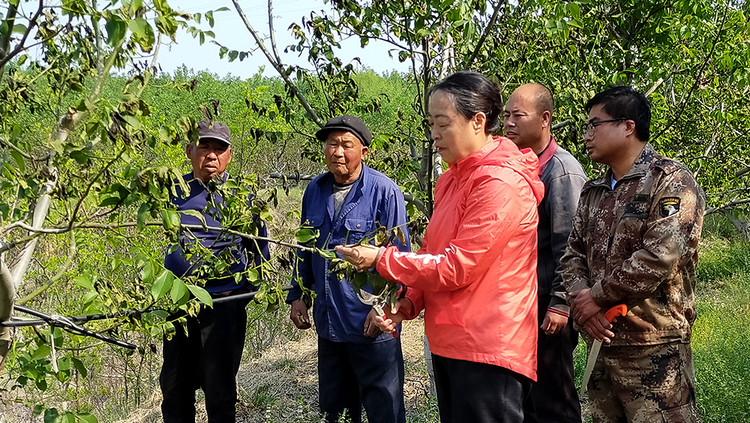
{"points": [[471, 93], [625, 103]]}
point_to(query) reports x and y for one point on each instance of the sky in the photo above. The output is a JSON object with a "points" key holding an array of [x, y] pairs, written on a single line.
{"points": [[231, 32]]}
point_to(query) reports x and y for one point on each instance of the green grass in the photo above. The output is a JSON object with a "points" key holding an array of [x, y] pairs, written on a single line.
{"points": [[721, 335]]}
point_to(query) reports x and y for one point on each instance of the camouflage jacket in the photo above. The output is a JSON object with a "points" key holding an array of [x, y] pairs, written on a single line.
{"points": [[636, 244]]}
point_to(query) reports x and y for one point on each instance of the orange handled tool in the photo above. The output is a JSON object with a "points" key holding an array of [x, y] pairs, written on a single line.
{"points": [[618, 310], [610, 315]]}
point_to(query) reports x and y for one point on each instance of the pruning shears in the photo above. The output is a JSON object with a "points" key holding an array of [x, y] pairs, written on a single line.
{"points": [[610, 315], [377, 304]]}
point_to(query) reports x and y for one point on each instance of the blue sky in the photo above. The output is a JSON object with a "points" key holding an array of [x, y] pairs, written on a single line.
{"points": [[231, 32]]}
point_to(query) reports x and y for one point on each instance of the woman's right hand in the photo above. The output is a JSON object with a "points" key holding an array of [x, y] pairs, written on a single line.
{"points": [[393, 317]]}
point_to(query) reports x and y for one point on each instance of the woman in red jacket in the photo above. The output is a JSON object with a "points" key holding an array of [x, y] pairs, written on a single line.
{"points": [[475, 275]]}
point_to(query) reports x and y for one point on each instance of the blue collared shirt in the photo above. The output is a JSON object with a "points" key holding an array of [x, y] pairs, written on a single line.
{"points": [[217, 242], [338, 313]]}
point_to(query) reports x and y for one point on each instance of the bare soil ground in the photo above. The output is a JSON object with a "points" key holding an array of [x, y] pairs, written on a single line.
{"points": [[282, 384]]}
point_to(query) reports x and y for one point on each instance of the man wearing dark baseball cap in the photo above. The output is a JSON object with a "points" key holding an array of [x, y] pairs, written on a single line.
{"points": [[215, 131], [208, 357], [357, 364], [213, 152]]}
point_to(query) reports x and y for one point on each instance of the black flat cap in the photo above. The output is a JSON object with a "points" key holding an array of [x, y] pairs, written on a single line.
{"points": [[214, 130], [348, 123]]}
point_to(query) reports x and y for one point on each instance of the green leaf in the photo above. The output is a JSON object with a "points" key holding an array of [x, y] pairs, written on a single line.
{"points": [[18, 157], [575, 10], [305, 235], [179, 290], [80, 156], [68, 417], [19, 28], [233, 55], [143, 33], [84, 280], [143, 213], [197, 215], [161, 6], [359, 281], [201, 294], [162, 314], [252, 275], [78, 364], [38, 410], [326, 254], [167, 25], [170, 219], [41, 352], [136, 5], [162, 284], [116, 30], [133, 122], [90, 296], [147, 273], [109, 201], [51, 415], [377, 283], [87, 418]]}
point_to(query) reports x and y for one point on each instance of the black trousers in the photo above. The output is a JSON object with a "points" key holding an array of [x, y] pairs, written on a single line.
{"points": [[354, 375], [553, 397], [208, 358], [478, 392]]}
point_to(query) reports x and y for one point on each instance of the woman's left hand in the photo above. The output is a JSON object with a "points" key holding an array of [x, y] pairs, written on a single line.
{"points": [[364, 256]]}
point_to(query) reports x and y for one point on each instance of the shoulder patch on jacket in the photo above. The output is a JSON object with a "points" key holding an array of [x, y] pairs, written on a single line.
{"points": [[669, 206], [668, 165]]}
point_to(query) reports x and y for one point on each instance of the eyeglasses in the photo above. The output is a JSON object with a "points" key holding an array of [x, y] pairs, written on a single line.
{"points": [[590, 127]]}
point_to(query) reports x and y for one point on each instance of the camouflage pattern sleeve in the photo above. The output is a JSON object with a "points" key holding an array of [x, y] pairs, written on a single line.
{"points": [[650, 250]]}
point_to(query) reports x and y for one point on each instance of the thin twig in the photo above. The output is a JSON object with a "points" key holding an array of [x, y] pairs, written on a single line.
{"points": [[486, 32], [278, 66]]}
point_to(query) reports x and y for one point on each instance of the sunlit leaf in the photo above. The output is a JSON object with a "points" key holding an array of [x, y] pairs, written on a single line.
{"points": [[201, 294]]}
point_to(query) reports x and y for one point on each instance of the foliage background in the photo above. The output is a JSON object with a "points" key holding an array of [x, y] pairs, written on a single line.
{"points": [[91, 126]]}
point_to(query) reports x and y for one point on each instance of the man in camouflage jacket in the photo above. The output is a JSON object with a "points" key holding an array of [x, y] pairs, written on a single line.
{"points": [[634, 242]]}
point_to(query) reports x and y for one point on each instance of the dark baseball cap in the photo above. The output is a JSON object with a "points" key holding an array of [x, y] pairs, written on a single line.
{"points": [[213, 130], [348, 123]]}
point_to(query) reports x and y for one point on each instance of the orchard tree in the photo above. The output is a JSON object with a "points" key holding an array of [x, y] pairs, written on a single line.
{"points": [[84, 196], [690, 57]]}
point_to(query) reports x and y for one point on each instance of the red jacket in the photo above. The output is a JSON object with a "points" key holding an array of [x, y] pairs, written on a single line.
{"points": [[475, 275]]}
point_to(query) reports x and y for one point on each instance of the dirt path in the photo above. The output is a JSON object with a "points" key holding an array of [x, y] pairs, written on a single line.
{"points": [[281, 385]]}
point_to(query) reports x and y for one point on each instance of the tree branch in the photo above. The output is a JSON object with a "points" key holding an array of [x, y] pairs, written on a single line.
{"points": [[109, 226], [486, 32], [63, 269], [278, 66], [698, 76]]}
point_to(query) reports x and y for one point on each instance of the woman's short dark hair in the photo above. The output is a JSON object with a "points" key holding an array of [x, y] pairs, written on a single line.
{"points": [[471, 93], [625, 103]]}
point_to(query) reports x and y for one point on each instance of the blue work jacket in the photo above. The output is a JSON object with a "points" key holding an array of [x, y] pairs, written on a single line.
{"points": [[218, 242], [339, 315]]}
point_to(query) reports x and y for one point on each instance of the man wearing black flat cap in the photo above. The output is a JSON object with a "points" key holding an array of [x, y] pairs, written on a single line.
{"points": [[358, 365], [205, 350]]}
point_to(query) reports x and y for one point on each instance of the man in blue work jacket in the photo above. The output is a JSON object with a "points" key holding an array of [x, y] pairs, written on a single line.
{"points": [[358, 365], [205, 351]]}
